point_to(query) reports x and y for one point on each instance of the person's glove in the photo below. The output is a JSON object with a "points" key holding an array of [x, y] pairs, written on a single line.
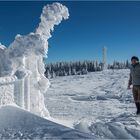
{"points": [[129, 87]]}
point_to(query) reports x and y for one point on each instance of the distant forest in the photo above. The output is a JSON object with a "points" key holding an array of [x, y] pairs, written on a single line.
{"points": [[79, 67]]}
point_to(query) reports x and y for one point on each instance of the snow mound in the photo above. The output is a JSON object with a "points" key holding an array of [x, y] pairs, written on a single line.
{"points": [[125, 126], [16, 123]]}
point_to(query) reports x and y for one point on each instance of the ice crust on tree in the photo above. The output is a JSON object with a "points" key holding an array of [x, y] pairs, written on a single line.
{"points": [[22, 79]]}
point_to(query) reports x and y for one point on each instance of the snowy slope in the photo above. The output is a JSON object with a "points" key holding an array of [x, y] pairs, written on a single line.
{"points": [[98, 103], [16, 123]]}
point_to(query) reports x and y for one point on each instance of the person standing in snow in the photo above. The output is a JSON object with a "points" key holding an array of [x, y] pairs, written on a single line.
{"points": [[134, 80]]}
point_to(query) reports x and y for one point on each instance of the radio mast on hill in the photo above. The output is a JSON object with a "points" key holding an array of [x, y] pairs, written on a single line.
{"points": [[104, 58]]}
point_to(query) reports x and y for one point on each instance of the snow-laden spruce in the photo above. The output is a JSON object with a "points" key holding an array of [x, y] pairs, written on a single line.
{"points": [[23, 62]]}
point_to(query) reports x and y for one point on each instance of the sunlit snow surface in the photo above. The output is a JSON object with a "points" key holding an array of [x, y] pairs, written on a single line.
{"points": [[93, 106], [98, 103], [18, 124]]}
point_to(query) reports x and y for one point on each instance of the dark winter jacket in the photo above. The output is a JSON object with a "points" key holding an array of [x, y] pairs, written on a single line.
{"points": [[134, 74]]}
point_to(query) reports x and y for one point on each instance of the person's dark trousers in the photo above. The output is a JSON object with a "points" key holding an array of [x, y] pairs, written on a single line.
{"points": [[136, 95]]}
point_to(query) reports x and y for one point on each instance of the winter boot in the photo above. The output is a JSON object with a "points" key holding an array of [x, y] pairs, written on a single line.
{"points": [[138, 108]]}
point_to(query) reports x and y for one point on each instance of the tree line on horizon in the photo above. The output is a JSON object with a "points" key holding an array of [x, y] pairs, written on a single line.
{"points": [[80, 67]]}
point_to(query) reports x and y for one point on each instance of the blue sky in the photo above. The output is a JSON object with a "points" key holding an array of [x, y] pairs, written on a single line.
{"points": [[91, 26]]}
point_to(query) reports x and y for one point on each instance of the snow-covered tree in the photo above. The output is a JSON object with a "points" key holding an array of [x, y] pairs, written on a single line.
{"points": [[71, 68]]}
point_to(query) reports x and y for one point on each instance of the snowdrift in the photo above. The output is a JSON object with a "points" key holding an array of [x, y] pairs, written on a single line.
{"points": [[16, 123]]}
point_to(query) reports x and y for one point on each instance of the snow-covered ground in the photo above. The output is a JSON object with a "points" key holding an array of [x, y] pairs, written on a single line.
{"points": [[93, 106], [98, 103], [19, 124]]}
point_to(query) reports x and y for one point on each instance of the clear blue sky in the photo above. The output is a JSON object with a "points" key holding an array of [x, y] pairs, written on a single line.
{"points": [[91, 26]]}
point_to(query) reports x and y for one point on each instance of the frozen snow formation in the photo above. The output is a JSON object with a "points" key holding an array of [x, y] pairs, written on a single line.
{"points": [[22, 79]]}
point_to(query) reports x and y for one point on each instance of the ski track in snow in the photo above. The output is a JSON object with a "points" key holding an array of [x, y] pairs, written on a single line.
{"points": [[98, 103]]}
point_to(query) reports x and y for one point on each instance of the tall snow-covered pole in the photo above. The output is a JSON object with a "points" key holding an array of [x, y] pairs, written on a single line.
{"points": [[21, 92], [27, 92], [104, 58]]}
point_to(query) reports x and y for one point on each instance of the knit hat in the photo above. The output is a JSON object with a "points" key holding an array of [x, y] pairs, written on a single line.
{"points": [[134, 58]]}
